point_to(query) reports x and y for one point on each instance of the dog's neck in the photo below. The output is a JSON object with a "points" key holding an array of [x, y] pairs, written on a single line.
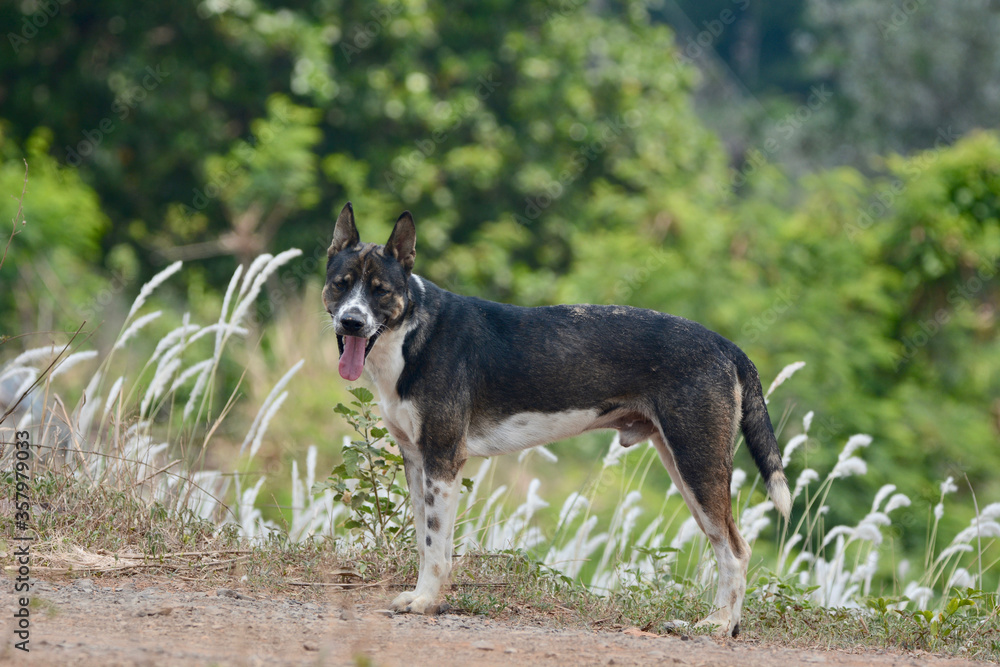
{"points": [[385, 362]]}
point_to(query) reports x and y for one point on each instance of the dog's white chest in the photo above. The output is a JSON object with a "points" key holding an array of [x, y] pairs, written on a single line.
{"points": [[384, 365], [530, 429]]}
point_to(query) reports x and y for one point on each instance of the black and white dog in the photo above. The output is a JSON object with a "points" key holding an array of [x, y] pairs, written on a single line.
{"points": [[459, 376]]}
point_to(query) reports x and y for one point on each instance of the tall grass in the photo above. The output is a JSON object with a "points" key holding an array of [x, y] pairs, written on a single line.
{"points": [[146, 428]]}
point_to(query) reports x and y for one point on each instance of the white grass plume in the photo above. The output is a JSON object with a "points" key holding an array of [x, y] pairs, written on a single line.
{"points": [[792, 445], [271, 397], [113, 396], [854, 443], [70, 361], [189, 373], [148, 288], [31, 356], [197, 390], [135, 328], [221, 328], [786, 372], [244, 305], [806, 477], [265, 422]]}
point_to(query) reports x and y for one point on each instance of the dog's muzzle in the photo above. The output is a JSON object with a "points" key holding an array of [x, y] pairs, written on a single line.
{"points": [[355, 342]]}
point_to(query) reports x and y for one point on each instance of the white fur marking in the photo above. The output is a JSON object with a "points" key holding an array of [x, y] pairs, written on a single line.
{"points": [[357, 300], [420, 283], [384, 365], [530, 429], [435, 559]]}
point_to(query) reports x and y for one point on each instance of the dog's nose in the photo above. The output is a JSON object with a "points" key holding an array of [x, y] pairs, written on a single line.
{"points": [[352, 324]]}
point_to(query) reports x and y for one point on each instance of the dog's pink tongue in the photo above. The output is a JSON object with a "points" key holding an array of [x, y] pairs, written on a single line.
{"points": [[352, 361]]}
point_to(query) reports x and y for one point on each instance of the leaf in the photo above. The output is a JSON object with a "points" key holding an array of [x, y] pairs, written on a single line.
{"points": [[344, 410], [379, 432], [362, 394], [350, 464]]}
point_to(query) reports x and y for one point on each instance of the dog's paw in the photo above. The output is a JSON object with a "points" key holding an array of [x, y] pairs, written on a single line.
{"points": [[402, 601], [721, 623], [422, 604]]}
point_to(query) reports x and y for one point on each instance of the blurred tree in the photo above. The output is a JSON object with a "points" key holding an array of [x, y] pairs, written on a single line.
{"points": [[47, 279], [752, 41], [496, 123], [260, 183], [136, 97], [911, 75], [550, 151]]}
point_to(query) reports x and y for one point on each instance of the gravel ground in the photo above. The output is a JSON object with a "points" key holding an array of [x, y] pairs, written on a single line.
{"points": [[160, 621]]}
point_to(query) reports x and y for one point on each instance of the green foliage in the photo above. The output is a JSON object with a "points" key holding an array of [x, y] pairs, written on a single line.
{"points": [[368, 479], [259, 183], [59, 243], [963, 618]]}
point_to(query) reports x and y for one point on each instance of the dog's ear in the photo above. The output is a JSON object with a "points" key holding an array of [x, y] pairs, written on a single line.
{"points": [[402, 243], [345, 234]]}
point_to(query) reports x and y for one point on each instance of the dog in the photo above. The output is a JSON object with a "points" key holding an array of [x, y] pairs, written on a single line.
{"points": [[459, 376]]}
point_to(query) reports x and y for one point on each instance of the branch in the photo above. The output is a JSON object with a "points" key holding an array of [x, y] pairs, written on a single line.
{"points": [[55, 362], [20, 214]]}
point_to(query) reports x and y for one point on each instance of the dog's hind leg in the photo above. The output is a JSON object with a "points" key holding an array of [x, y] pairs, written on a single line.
{"points": [[700, 465]]}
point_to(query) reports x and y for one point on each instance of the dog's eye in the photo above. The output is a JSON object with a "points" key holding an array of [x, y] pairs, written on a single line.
{"points": [[340, 284], [380, 292]]}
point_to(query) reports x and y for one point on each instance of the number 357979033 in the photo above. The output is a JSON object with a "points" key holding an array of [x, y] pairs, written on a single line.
{"points": [[22, 471]]}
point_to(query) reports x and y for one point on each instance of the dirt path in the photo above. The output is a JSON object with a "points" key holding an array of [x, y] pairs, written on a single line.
{"points": [[157, 621]]}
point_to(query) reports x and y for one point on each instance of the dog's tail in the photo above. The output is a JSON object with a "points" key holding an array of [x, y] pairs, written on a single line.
{"points": [[758, 433]]}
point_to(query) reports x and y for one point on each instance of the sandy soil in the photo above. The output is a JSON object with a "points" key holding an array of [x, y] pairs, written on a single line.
{"points": [[159, 621]]}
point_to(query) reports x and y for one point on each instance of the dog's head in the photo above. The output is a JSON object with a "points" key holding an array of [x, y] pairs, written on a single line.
{"points": [[366, 287]]}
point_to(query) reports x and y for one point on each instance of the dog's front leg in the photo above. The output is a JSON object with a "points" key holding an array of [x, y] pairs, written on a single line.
{"points": [[413, 467], [435, 534]]}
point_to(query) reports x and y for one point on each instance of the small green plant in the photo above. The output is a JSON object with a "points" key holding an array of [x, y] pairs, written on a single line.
{"points": [[368, 479], [936, 627]]}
